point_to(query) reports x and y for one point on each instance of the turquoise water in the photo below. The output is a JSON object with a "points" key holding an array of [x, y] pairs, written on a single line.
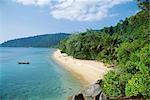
{"points": [[42, 79]]}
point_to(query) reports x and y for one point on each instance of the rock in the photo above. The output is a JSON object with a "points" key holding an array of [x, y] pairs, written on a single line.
{"points": [[89, 98], [78, 97], [97, 97], [99, 81], [92, 90], [102, 96]]}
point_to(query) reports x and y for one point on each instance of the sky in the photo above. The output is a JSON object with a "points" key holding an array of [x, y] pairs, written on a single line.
{"points": [[23, 18]]}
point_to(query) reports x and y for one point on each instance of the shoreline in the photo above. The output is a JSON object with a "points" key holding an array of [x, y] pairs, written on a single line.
{"points": [[86, 71]]}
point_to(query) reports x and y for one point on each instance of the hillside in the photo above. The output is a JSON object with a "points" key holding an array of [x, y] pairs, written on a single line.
{"points": [[47, 40], [126, 45]]}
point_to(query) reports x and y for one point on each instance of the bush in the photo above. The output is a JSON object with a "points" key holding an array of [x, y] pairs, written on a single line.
{"points": [[138, 85], [111, 84], [114, 82]]}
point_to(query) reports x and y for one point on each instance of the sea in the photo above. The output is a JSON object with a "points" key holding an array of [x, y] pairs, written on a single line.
{"points": [[42, 79]]}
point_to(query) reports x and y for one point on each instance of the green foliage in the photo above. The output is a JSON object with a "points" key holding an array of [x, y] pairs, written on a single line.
{"points": [[144, 4], [145, 56], [127, 48], [134, 75], [124, 51], [138, 85], [62, 45], [114, 83], [111, 84]]}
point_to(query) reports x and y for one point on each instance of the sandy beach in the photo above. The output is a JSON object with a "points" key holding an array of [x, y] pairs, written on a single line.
{"points": [[85, 70]]}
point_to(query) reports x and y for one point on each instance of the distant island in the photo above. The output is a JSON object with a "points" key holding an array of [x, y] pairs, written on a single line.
{"points": [[47, 40]]}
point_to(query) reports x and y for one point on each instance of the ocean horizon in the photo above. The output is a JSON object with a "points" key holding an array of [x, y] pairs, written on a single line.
{"points": [[42, 79]]}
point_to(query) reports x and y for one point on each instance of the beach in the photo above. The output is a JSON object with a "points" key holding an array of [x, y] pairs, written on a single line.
{"points": [[87, 71]]}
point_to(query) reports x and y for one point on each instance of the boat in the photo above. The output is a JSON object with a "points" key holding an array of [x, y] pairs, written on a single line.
{"points": [[23, 62]]}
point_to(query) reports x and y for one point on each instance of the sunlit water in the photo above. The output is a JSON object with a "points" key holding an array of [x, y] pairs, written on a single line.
{"points": [[42, 79]]}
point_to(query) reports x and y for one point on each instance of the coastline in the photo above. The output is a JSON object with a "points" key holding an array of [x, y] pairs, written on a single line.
{"points": [[87, 71]]}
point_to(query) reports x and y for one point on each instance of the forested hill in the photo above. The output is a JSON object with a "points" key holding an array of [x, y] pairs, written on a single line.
{"points": [[126, 45], [47, 40], [105, 43]]}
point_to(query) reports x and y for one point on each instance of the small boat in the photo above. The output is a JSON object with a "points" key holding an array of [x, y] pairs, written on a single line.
{"points": [[23, 62]]}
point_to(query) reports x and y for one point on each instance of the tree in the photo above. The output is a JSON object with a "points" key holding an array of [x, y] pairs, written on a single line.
{"points": [[144, 4]]}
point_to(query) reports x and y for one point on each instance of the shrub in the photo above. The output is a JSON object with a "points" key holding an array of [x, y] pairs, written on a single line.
{"points": [[115, 81], [111, 84], [138, 85]]}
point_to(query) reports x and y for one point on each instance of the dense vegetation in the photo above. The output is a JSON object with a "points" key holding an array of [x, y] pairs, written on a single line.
{"points": [[126, 45], [48, 40]]}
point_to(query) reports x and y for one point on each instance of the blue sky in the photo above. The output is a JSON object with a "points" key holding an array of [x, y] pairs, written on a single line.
{"points": [[23, 18]]}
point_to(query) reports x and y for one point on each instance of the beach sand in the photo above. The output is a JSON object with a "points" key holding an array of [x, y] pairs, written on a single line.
{"points": [[87, 71]]}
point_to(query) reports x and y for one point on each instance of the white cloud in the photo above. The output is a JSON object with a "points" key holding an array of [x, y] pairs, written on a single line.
{"points": [[34, 2], [77, 10]]}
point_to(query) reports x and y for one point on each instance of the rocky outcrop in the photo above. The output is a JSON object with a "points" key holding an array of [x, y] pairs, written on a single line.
{"points": [[78, 97], [92, 92]]}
